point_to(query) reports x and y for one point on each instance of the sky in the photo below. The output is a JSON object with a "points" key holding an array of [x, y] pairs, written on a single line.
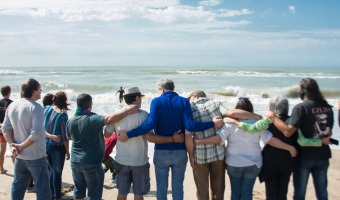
{"points": [[169, 33]]}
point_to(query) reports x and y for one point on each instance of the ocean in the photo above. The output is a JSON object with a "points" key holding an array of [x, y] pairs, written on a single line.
{"points": [[224, 84]]}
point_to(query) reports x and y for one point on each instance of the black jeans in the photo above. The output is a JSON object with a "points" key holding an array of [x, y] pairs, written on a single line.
{"points": [[277, 186]]}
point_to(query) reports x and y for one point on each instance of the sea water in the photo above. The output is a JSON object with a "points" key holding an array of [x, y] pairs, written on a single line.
{"points": [[223, 84]]}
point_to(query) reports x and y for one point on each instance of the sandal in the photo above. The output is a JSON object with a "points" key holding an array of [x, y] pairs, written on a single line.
{"points": [[3, 172]]}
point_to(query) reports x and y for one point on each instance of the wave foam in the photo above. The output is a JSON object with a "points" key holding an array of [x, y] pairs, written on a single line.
{"points": [[9, 72], [259, 74]]}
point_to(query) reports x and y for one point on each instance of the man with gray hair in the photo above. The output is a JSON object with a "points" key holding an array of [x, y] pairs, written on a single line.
{"points": [[169, 113]]}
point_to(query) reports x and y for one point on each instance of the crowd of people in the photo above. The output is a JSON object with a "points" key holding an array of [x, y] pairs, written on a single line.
{"points": [[214, 140]]}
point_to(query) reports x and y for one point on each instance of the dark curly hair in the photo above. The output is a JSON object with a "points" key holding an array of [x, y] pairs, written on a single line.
{"points": [[60, 100]]}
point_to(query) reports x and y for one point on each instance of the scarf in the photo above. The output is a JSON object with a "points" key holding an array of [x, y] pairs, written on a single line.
{"points": [[82, 111]]}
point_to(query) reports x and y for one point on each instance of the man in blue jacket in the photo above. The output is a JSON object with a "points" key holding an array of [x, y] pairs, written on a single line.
{"points": [[169, 113]]}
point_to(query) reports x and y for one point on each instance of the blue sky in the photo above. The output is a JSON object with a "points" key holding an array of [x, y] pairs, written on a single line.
{"points": [[170, 33]]}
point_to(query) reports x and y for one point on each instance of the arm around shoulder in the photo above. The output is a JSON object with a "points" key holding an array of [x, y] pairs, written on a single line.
{"points": [[287, 129], [115, 117], [241, 114], [258, 126]]}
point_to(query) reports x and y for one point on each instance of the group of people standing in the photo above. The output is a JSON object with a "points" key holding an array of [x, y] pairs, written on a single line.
{"points": [[306, 133], [182, 128]]}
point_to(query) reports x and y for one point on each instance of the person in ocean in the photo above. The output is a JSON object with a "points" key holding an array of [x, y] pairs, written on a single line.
{"points": [[121, 94]]}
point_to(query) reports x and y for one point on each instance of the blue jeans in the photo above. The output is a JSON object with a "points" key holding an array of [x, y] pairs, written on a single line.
{"points": [[176, 160], [318, 168], [23, 170], [56, 160], [242, 180], [90, 177]]}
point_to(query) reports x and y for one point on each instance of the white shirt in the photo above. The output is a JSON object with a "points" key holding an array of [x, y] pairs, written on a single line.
{"points": [[133, 152], [243, 148]]}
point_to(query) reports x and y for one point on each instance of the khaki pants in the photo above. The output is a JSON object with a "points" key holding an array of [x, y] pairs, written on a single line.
{"points": [[214, 173]]}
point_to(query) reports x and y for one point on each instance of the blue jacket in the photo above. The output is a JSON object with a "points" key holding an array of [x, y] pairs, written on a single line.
{"points": [[168, 114]]}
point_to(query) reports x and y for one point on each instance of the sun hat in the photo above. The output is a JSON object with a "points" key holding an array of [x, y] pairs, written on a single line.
{"points": [[132, 91]]}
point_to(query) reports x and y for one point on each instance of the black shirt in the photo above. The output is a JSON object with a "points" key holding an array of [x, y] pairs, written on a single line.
{"points": [[4, 103], [315, 120]]}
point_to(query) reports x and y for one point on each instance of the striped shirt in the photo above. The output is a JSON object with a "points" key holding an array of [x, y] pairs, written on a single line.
{"points": [[55, 124], [204, 110]]}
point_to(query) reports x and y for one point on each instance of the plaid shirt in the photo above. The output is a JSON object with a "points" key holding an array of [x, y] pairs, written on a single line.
{"points": [[204, 110]]}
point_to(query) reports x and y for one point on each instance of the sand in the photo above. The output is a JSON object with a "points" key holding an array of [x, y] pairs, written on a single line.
{"points": [[110, 190]]}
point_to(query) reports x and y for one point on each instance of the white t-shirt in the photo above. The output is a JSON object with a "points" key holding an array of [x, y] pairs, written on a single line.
{"points": [[133, 152], [243, 148]]}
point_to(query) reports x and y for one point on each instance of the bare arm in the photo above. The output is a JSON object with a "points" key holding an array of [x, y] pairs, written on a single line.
{"points": [[55, 138], [23, 145], [216, 139], [159, 139], [115, 117], [9, 138], [67, 149], [218, 121], [281, 145], [189, 143], [286, 129], [241, 114]]}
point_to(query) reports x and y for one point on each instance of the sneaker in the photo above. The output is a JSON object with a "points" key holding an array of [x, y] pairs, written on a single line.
{"points": [[113, 180], [30, 189]]}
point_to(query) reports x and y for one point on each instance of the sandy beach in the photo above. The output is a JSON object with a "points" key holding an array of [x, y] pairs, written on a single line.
{"points": [[110, 190]]}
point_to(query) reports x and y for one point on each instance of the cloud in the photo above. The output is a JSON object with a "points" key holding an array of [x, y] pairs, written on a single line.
{"points": [[209, 3], [292, 9], [166, 11], [133, 32]]}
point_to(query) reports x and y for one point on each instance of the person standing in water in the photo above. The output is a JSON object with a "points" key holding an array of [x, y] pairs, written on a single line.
{"points": [[121, 93]]}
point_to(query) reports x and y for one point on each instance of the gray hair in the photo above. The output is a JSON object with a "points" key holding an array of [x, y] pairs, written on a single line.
{"points": [[279, 106], [166, 84]]}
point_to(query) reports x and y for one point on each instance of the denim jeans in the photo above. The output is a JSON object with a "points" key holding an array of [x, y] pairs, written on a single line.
{"points": [[318, 168], [242, 180], [90, 177], [176, 160], [23, 170], [56, 160]]}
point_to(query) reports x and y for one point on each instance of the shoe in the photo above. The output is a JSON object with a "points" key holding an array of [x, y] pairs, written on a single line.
{"points": [[30, 189], [113, 180]]}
